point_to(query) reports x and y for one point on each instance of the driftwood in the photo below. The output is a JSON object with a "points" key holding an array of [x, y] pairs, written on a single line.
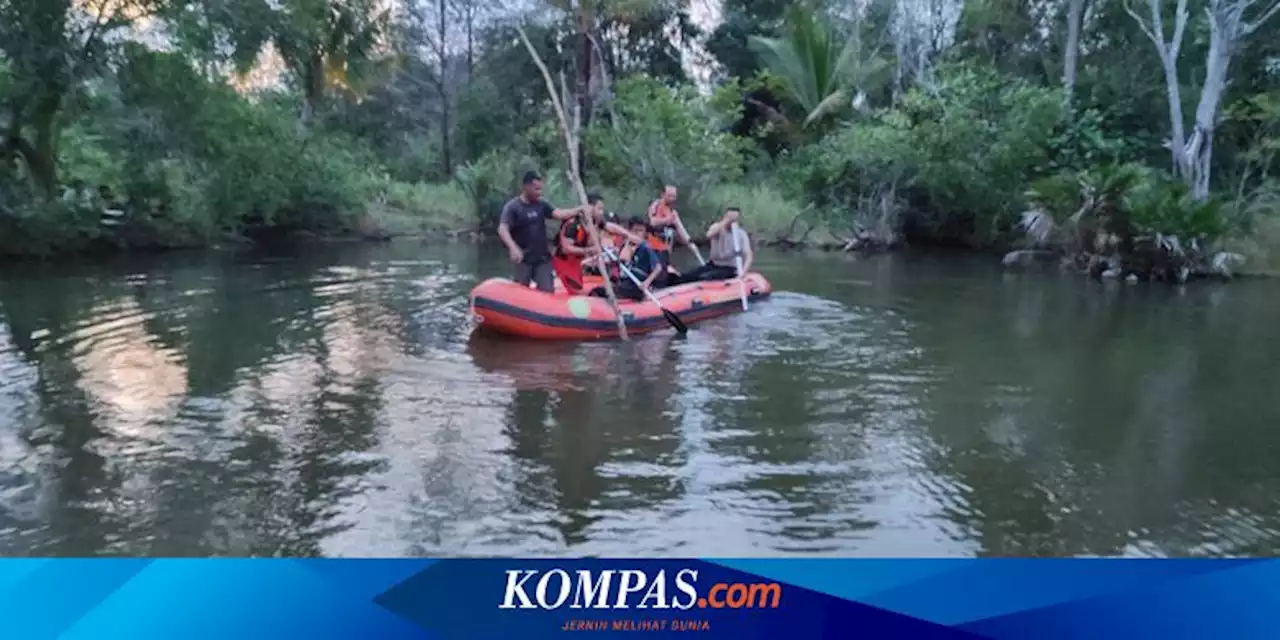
{"points": [[571, 146]]}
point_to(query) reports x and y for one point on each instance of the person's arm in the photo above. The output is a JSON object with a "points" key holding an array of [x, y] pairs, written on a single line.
{"points": [[504, 234], [620, 230], [715, 228], [560, 214], [655, 268], [504, 229], [569, 247]]}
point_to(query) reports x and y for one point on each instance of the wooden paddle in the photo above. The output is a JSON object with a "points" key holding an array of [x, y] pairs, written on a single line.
{"points": [[697, 254]]}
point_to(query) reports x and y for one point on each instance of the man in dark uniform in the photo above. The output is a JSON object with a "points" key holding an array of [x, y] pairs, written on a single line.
{"points": [[523, 229]]}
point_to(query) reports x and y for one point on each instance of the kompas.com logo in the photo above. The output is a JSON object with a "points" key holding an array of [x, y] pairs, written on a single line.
{"points": [[619, 589]]}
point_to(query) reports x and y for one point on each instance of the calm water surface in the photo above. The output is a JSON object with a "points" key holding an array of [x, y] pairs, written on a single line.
{"points": [[337, 403]]}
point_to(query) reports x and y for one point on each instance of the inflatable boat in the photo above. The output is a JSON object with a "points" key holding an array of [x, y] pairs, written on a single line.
{"points": [[503, 306]]}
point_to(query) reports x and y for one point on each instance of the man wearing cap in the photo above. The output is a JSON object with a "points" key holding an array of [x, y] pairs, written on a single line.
{"points": [[523, 229]]}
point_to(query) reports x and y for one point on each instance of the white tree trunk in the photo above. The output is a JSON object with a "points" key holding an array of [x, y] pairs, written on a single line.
{"points": [[1192, 158], [1071, 57], [1227, 29], [1153, 26]]}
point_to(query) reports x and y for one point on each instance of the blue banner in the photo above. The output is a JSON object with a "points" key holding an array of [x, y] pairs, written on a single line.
{"points": [[516, 598]]}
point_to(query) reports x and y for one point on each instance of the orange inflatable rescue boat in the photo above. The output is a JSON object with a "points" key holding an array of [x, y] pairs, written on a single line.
{"points": [[501, 305]]}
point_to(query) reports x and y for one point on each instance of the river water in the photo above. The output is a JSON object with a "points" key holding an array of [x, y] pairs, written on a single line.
{"points": [[335, 402]]}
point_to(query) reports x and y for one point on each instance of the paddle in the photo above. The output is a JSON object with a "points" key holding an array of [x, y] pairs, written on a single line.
{"points": [[697, 254], [671, 317], [737, 251]]}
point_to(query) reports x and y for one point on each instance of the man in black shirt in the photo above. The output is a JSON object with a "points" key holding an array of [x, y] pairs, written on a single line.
{"points": [[523, 228]]}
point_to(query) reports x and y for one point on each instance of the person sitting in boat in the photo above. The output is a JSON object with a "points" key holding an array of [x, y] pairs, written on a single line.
{"points": [[641, 260], [591, 266], [573, 243], [722, 261], [665, 226]]}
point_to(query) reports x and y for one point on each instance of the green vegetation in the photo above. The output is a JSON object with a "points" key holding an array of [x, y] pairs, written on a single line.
{"points": [[1074, 129]]}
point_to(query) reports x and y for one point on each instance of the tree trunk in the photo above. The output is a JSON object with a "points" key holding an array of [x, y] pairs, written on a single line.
{"points": [[471, 62], [41, 156], [1177, 136], [583, 87], [571, 145], [1153, 27], [1199, 153], [446, 158], [442, 83], [312, 91], [1075, 15]]}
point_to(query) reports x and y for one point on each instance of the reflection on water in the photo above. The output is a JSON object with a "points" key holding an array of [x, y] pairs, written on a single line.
{"points": [[337, 403]]}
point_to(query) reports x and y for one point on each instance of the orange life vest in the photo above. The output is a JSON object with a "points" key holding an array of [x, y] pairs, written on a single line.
{"points": [[657, 238]]}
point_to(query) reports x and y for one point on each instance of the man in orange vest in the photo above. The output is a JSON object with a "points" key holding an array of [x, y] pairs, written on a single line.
{"points": [[573, 243], [665, 223]]}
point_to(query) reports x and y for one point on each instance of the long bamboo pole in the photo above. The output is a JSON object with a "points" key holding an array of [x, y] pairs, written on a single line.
{"points": [[571, 145]]}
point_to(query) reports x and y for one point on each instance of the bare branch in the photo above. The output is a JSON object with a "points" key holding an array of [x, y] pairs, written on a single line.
{"points": [[1146, 28], [571, 146], [1250, 27], [1179, 25]]}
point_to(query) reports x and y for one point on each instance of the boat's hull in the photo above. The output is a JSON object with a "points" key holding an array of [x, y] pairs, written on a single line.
{"points": [[501, 305]]}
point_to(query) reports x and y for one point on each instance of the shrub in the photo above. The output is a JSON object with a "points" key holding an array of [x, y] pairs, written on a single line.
{"points": [[663, 135], [958, 155]]}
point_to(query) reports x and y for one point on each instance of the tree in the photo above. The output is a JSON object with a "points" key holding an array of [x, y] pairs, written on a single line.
{"points": [[818, 67], [1071, 54], [1228, 28], [428, 33], [52, 47], [728, 43], [587, 17], [326, 45]]}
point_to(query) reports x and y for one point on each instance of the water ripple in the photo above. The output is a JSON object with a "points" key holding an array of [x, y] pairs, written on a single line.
{"points": [[341, 404]]}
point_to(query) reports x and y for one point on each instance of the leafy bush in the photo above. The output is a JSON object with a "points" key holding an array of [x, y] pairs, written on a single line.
{"points": [[958, 155], [1166, 207], [495, 178], [418, 206], [663, 135]]}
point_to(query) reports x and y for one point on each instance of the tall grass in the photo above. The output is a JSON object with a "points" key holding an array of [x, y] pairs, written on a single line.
{"points": [[765, 210]]}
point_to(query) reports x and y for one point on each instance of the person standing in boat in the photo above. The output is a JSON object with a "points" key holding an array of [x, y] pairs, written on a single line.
{"points": [[573, 243], [522, 226], [722, 261]]}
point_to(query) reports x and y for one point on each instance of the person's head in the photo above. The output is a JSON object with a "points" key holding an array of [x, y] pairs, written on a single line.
{"points": [[531, 186], [595, 203], [638, 226], [732, 215], [669, 194]]}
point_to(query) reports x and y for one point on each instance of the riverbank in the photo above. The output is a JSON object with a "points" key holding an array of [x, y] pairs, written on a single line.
{"points": [[433, 214]]}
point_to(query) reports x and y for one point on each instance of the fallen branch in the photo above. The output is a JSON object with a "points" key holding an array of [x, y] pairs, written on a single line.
{"points": [[571, 145]]}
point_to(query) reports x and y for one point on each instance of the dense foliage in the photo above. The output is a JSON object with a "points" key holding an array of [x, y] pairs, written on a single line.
{"points": [[1085, 126]]}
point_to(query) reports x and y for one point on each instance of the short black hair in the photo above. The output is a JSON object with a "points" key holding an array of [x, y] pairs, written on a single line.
{"points": [[531, 176], [594, 197], [637, 221], [728, 209]]}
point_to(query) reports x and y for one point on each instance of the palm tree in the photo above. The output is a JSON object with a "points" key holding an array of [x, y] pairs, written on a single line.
{"points": [[819, 68]]}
